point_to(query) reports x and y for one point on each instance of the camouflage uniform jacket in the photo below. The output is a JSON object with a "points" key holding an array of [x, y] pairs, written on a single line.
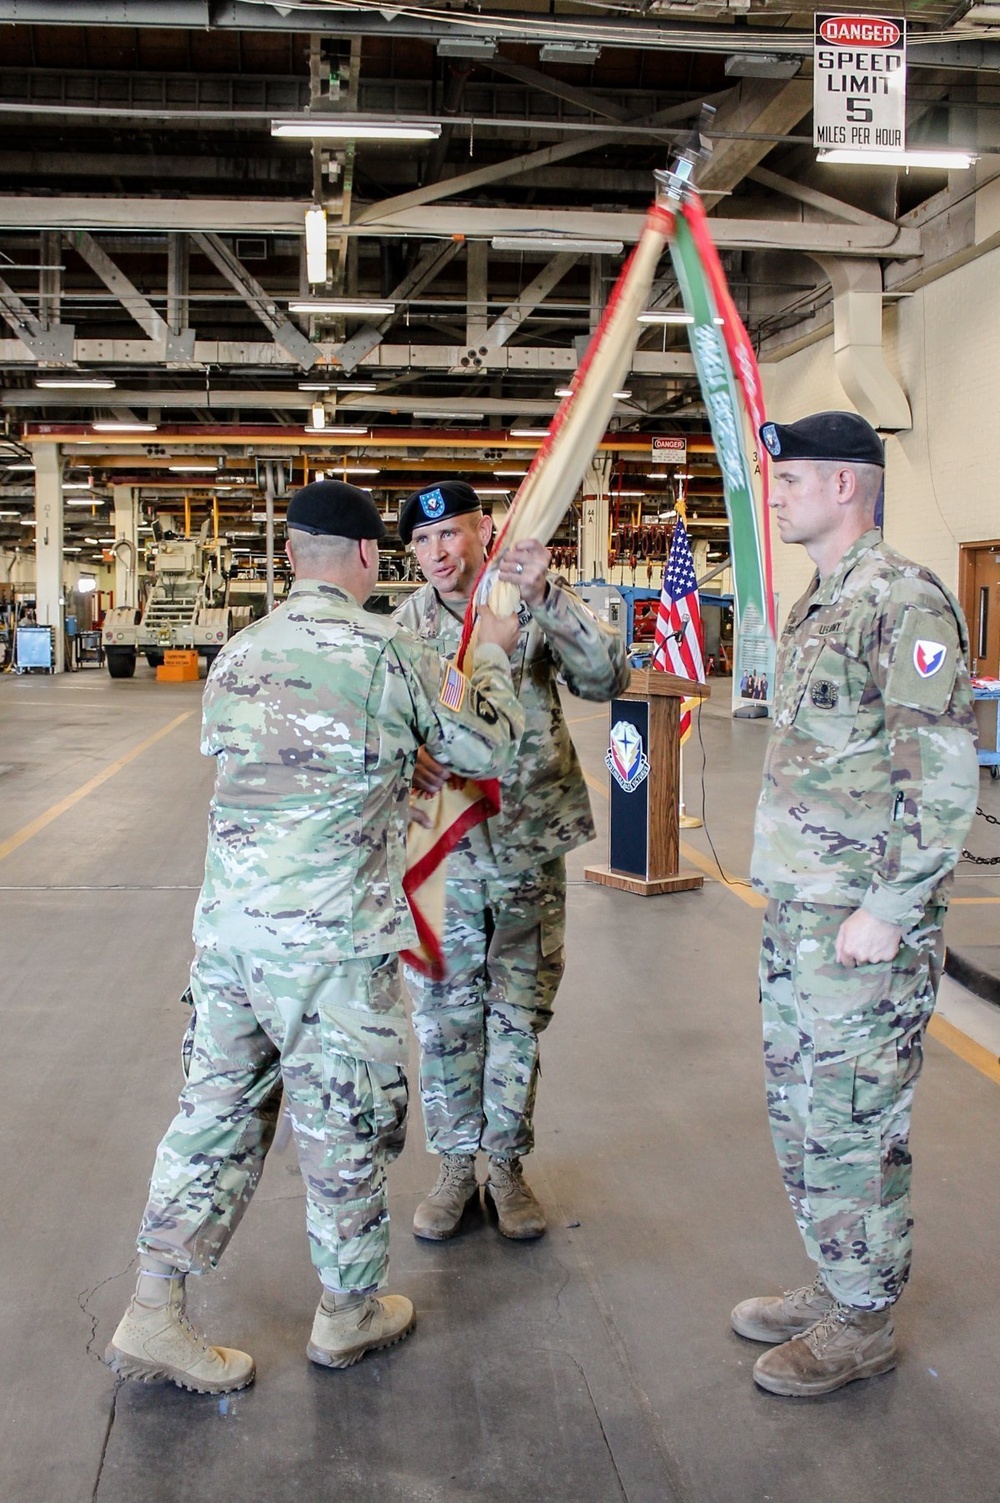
{"points": [[870, 777], [545, 807], [314, 715]]}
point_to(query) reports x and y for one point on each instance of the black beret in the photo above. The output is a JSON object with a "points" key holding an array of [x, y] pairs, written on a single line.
{"points": [[331, 508], [826, 435], [445, 498]]}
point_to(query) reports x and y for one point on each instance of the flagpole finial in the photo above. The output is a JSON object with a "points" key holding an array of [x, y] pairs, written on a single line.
{"points": [[677, 182]]}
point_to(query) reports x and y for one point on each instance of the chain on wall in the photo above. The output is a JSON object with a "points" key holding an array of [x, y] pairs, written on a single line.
{"points": [[990, 819]]}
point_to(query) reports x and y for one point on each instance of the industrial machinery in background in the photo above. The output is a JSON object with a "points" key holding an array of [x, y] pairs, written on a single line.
{"points": [[189, 603]]}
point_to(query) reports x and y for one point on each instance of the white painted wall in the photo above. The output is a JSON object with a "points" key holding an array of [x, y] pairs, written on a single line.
{"points": [[942, 477]]}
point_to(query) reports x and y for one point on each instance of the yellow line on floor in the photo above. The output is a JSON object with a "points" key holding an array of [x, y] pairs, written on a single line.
{"points": [[953, 901], [11, 844], [579, 719], [959, 1043]]}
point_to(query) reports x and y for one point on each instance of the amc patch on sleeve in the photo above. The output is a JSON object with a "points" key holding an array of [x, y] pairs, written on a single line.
{"points": [[924, 662]]}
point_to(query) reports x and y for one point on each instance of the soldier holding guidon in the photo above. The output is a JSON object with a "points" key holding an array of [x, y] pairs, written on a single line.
{"points": [[313, 715], [479, 1028], [870, 784]]}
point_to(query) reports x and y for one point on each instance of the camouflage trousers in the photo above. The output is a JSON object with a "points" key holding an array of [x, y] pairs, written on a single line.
{"points": [[478, 1029], [842, 1050], [258, 1026]]}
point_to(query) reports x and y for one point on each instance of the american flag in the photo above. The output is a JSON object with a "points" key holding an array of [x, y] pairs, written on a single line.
{"points": [[677, 646]]}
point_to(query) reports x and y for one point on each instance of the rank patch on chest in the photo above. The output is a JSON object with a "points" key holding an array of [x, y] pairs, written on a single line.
{"points": [[928, 656], [824, 694]]}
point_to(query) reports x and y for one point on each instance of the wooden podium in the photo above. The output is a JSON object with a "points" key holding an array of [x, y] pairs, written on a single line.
{"points": [[644, 763]]}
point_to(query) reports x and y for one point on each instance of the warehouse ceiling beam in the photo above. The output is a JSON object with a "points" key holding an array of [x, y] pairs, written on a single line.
{"points": [[585, 99], [286, 335], [513, 167], [52, 346], [764, 106], [514, 315], [432, 259], [123, 288], [835, 207]]}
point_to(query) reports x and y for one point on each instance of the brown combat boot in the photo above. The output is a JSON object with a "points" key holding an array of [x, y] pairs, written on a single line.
{"points": [[440, 1214], [156, 1341], [340, 1337], [519, 1214], [845, 1345], [778, 1317]]}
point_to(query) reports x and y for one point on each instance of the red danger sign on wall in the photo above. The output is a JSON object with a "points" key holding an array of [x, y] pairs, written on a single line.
{"points": [[859, 83]]}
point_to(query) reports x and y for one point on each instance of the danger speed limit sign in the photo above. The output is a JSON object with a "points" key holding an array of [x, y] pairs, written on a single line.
{"points": [[859, 82]]}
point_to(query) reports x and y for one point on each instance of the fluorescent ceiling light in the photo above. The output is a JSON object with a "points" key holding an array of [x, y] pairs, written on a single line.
{"points": [[459, 46], [762, 65], [316, 263], [75, 383], [355, 386], [492, 490], [336, 432], [28, 522], [72, 550], [124, 427], [85, 501], [317, 416], [620, 396], [10, 513], [626, 493], [570, 52], [20, 464], [78, 485], [191, 469], [353, 469], [557, 243], [345, 305], [356, 128], [538, 433], [667, 316], [501, 473], [447, 414], [315, 386], [951, 161]]}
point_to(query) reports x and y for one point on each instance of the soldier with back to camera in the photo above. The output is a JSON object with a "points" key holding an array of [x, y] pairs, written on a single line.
{"points": [[870, 783], [314, 716]]}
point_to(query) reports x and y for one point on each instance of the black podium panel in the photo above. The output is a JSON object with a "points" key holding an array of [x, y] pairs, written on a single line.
{"points": [[628, 763]]}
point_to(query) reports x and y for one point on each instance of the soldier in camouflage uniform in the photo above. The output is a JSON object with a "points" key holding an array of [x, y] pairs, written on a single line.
{"points": [[506, 881], [314, 716], [870, 785]]}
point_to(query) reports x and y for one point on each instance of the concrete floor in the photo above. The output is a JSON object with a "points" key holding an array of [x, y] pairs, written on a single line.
{"points": [[594, 1365]]}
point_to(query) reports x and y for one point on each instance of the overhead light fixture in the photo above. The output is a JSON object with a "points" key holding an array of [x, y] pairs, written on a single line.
{"points": [[72, 550], [19, 464], [124, 427], [344, 305], [950, 161], [316, 259], [84, 501], [340, 432], [75, 383], [356, 386], [78, 485], [564, 391], [557, 243], [447, 414], [317, 416], [492, 490], [518, 473], [355, 128], [191, 469], [570, 52], [762, 65], [354, 469], [629, 494], [28, 522], [666, 316], [538, 433], [10, 513], [458, 46], [315, 386]]}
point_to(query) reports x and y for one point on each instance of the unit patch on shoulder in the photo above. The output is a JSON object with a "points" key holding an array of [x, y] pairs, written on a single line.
{"points": [[924, 661], [432, 504], [928, 657]]}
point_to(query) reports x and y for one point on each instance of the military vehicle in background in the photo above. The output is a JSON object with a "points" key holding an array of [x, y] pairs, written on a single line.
{"points": [[186, 606]]}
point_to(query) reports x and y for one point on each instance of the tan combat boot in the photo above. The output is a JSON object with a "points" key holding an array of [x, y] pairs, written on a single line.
{"points": [[439, 1215], [366, 1323], [155, 1340], [519, 1214], [778, 1317], [845, 1345]]}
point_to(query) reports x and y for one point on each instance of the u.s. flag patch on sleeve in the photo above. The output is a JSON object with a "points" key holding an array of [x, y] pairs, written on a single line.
{"points": [[453, 685]]}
